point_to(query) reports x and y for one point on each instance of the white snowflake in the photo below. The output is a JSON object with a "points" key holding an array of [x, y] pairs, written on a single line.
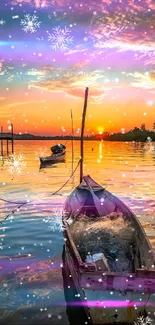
{"points": [[30, 23], [2, 22], [55, 221], [143, 321], [60, 39], [16, 164]]}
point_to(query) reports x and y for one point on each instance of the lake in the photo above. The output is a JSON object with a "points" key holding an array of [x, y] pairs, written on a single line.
{"points": [[31, 239]]}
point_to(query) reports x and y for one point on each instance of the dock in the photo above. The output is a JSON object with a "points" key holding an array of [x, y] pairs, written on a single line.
{"points": [[6, 141]]}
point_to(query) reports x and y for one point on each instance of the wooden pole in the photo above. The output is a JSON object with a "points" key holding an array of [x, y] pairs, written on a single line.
{"points": [[72, 144], [82, 133], [2, 141], [12, 139], [7, 146]]}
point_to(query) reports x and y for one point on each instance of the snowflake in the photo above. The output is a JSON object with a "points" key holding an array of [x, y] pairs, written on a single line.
{"points": [[16, 164], [2, 22], [30, 23], [143, 321], [55, 221], [60, 39]]}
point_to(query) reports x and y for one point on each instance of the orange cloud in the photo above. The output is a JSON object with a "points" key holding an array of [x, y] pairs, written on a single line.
{"points": [[73, 83], [152, 75], [142, 80]]}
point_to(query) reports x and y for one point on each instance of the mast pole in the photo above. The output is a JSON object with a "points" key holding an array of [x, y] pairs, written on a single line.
{"points": [[12, 138], [72, 142], [82, 133]]}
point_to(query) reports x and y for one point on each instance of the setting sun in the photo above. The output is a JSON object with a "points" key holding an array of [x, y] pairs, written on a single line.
{"points": [[100, 130]]}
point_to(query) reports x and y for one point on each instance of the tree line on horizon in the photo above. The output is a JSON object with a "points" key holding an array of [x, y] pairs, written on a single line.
{"points": [[141, 134]]}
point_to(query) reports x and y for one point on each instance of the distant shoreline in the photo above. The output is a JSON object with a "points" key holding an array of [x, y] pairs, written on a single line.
{"points": [[135, 135], [38, 137], [78, 139]]}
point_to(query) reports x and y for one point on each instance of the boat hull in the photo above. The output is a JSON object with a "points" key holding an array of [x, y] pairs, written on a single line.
{"points": [[53, 159], [102, 306], [107, 297]]}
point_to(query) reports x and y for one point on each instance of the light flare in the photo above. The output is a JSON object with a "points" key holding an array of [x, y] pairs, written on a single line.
{"points": [[16, 164]]}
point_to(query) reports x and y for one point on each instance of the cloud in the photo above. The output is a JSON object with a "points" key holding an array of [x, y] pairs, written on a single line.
{"points": [[73, 82], [123, 46], [124, 28], [70, 52], [108, 34], [42, 3], [1, 67], [35, 72], [152, 76], [142, 80], [150, 60], [24, 103], [2, 98], [35, 3]]}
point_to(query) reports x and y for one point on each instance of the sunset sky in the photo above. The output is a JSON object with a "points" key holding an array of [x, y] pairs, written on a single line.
{"points": [[50, 50]]}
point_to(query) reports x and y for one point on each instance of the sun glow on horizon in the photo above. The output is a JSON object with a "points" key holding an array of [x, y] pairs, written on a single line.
{"points": [[100, 130]]}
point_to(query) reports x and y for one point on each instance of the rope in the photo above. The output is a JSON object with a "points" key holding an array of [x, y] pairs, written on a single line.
{"points": [[68, 139], [20, 204], [12, 212], [68, 179], [12, 202]]}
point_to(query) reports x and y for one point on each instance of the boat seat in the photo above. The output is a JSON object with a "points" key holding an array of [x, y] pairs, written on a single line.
{"points": [[89, 211]]}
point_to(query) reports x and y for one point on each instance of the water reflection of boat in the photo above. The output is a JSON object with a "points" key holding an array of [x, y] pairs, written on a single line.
{"points": [[108, 271], [58, 156]]}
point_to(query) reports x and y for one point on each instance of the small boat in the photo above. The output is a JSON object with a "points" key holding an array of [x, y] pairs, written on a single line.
{"points": [[58, 155], [108, 262]]}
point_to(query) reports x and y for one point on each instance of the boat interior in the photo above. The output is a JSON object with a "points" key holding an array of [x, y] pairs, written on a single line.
{"points": [[105, 232]]}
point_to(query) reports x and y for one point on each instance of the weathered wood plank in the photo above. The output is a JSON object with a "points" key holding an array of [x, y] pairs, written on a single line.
{"points": [[118, 283]]}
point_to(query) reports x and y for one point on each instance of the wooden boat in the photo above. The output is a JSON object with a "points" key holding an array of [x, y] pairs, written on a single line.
{"points": [[106, 293], [53, 159], [58, 156]]}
